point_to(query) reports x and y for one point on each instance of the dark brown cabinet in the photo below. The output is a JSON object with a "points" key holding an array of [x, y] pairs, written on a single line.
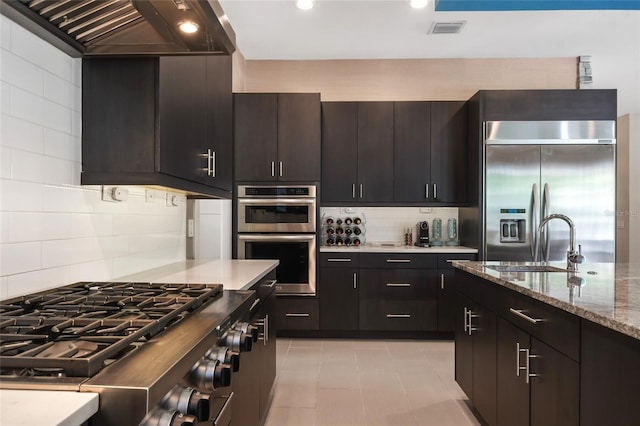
{"points": [[357, 152], [339, 276], [297, 313], [609, 377], [144, 123], [447, 289], [430, 155], [277, 137]]}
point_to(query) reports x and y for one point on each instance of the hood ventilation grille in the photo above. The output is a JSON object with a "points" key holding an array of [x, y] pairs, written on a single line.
{"points": [[125, 27], [446, 27]]}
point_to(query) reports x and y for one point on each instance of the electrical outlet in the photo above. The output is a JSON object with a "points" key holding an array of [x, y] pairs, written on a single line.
{"points": [[426, 209], [149, 196], [172, 200], [114, 194], [349, 210]]}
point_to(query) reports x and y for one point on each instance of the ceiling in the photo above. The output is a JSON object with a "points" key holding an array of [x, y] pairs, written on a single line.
{"points": [[377, 29]]}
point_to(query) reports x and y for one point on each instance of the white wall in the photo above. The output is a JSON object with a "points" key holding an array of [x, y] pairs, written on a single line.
{"points": [[52, 230], [212, 229]]}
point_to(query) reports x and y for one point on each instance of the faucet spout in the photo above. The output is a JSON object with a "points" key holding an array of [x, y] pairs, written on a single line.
{"points": [[573, 257]]}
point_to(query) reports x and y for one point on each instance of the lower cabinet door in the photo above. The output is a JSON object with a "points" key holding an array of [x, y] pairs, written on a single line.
{"points": [[483, 328], [555, 388], [512, 405], [338, 299], [464, 346]]}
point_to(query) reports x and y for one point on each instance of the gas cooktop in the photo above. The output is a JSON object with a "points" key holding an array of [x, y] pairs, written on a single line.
{"points": [[76, 330]]}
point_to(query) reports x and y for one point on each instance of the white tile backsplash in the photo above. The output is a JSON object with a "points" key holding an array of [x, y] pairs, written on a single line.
{"points": [[52, 230], [388, 224]]}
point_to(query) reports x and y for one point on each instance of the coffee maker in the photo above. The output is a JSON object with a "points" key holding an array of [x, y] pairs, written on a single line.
{"points": [[422, 239]]}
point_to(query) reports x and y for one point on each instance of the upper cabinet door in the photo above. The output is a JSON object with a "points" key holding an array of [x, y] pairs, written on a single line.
{"points": [[298, 137], [375, 152], [449, 152], [412, 152], [256, 136], [182, 117], [339, 152]]}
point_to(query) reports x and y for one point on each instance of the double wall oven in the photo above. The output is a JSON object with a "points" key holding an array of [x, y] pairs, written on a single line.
{"points": [[279, 222]]}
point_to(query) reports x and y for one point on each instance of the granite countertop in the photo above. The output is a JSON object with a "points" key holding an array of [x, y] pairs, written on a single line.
{"points": [[232, 274], [43, 408], [609, 294], [396, 249]]}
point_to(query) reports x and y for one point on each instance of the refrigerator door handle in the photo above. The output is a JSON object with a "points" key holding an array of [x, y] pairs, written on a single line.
{"points": [[546, 241], [534, 220]]}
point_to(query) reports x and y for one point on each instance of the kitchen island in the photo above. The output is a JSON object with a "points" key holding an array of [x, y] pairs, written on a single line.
{"points": [[553, 348]]}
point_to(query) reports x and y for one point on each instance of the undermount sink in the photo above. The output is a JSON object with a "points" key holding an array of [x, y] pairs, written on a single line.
{"points": [[525, 268]]}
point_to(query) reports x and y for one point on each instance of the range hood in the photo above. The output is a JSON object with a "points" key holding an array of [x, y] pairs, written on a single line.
{"points": [[125, 27]]}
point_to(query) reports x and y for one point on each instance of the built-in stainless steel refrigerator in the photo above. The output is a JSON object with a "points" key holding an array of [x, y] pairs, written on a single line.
{"points": [[535, 168]]}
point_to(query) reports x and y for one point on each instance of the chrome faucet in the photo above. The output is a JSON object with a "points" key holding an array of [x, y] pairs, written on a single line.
{"points": [[573, 257]]}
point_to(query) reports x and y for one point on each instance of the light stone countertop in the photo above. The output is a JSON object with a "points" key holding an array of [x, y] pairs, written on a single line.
{"points": [[609, 295], [396, 249], [232, 274], [44, 408]]}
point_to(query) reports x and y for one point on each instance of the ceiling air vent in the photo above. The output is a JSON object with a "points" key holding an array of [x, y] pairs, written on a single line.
{"points": [[446, 27]]}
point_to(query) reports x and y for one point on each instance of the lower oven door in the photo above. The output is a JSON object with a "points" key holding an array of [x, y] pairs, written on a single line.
{"points": [[296, 273]]}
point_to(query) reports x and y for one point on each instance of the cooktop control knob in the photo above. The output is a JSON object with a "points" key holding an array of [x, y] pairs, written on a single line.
{"points": [[226, 356], [162, 417], [210, 375], [247, 328], [238, 341], [190, 401]]}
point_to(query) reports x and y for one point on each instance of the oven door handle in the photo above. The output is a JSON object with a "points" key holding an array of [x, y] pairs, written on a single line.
{"points": [[276, 201], [276, 237]]}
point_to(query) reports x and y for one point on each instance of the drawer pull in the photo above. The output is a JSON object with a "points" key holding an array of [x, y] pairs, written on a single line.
{"points": [[519, 313], [338, 260], [398, 260], [255, 302], [271, 283], [442, 281], [398, 316], [457, 260], [297, 315], [398, 285]]}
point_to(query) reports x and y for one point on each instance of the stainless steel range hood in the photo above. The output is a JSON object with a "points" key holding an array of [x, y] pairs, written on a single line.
{"points": [[125, 27]]}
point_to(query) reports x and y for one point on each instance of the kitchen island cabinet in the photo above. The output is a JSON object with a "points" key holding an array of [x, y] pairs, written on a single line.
{"points": [[145, 124], [567, 344], [277, 137]]}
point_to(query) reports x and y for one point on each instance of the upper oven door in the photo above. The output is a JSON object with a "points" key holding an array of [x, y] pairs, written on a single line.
{"points": [[276, 215]]}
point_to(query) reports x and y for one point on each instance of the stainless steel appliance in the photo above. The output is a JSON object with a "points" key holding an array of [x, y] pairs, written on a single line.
{"points": [[157, 354], [536, 168], [279, 222]]}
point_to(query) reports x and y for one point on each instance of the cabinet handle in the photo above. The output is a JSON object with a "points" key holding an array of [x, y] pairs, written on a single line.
{"points": [[253, 305], [273, 169], [213, 163], [297, 315], [518, 367], [398, 260], [271, 283], [426, 191], [468, 315], [518, 312], [353, 190], [435, 191], [527, 365], [338, 260], [398, 316], [361, 190], [442, 281], [266, 328], [355, 280], [398, 285], [280, 168]]}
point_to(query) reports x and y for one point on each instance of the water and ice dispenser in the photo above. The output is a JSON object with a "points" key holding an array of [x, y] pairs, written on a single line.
{"points": [[513, 229]]}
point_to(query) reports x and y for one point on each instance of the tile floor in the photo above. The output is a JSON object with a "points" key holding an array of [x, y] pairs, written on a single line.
{"points": [[326, 382]]}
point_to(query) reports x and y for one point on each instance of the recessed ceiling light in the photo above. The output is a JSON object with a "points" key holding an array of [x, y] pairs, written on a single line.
{"points": [[418, 4], [304, 4], [188, 27]]}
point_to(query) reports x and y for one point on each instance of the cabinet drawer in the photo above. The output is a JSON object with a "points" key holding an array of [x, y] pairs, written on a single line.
{"points": [[298, 314], [398, 284], [444, 260], [376, 314], [398, 260], [339, 260], [553, 326]]}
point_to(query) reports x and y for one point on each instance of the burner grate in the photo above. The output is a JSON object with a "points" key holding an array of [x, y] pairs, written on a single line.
{"points": [[77, 329]]}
